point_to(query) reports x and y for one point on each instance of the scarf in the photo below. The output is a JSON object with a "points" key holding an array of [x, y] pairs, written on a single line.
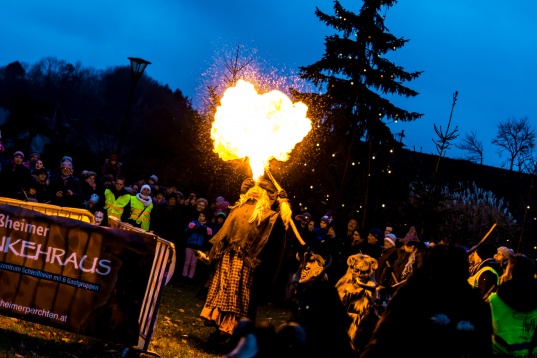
{"points": [[146, 200]]}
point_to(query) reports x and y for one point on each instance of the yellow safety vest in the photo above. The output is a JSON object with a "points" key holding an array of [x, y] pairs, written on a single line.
{"points": [[474, 280], [512, 330], [138, 213], [113, 206]]}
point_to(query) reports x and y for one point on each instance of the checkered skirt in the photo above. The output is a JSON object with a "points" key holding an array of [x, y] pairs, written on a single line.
{"points": [[229, 289]]}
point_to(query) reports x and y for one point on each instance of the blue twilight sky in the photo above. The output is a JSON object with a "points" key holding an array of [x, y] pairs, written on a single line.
{"points": [[485, 50]]}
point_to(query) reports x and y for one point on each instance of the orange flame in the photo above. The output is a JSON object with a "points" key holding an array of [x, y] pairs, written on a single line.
{"points": [[257, 126]]}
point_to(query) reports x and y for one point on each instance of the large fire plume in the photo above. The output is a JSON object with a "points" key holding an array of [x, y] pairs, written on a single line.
{"points": [[257, 126]]}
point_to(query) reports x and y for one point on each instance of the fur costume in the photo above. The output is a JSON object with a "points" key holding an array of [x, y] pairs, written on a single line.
{"points": [[356, 290]]}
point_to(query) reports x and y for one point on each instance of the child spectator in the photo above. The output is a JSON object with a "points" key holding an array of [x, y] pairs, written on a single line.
{"points": [[198, 233]]}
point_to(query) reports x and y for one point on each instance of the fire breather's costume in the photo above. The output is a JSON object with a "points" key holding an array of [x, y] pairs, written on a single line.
{"points": [[239, 248]]}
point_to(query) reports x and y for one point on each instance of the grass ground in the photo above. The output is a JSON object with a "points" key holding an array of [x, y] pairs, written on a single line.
{"points": [[179, 332]]}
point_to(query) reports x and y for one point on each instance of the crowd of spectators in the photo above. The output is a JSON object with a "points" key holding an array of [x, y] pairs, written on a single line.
{"points": [[414, 290]]}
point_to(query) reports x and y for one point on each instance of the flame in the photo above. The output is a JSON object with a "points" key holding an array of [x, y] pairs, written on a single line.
{"points": [[257, 126]]}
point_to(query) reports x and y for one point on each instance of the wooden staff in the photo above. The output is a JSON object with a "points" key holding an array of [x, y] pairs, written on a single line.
{"points": [[393, 274], [283, 202], [482, 240]]}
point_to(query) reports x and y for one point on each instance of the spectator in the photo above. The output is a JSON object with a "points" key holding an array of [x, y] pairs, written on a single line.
{"points": [[358, 245], [198, 233], [386, 261], [32, 160], [39, 165], [65, 188], [373, 247], [502, 256], [219, 222], [485, 272], [165, 222], [116, 199], [384, 271], [112, 166], [321, 231], [152, 181], [221, 205], [88, 184], [158, 198], [99, 217], [92, 203], [40, 186], [16, 178], [141, 206], [514, 309]]}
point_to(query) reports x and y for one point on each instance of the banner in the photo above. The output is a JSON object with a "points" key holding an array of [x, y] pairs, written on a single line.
{"points": [[73, 275]]}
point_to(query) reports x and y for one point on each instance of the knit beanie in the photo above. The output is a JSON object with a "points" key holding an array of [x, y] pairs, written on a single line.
{"points": [[146, 187], [376, 233], [154, 177], [391, 238], [507, 252], [66, 158], [219, 200], [204, 200], [18, 153], [34, 153], [327, 219]]}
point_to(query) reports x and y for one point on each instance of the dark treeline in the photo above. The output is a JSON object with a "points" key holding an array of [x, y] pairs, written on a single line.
{"points": [[58, 108]]}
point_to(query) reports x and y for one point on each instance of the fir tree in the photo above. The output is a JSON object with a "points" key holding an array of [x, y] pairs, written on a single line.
{"points": [[353, 76]]}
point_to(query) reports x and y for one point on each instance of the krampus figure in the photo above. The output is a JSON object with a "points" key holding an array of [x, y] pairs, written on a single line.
{"points": [[356, 290], [315, 305]]}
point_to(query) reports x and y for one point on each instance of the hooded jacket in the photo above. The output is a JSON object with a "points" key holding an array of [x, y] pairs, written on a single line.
{"points": [[514, 316]]}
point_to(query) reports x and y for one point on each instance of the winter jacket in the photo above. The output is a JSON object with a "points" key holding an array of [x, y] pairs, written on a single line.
{"points": [[514, 316], [57, 183], [198, 235]]}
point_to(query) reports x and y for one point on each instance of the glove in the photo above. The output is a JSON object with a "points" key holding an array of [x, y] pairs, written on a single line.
{"points": [[209, 231], [191, 225]]}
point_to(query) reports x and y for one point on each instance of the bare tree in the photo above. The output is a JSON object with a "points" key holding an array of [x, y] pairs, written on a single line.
{"points": [[445, 137], [516, 138], [472, 146]]}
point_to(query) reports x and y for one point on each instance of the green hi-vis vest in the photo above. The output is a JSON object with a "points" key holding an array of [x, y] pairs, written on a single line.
{"points": [[115, 207], [140, 215], [513, 330], [474, 280]]}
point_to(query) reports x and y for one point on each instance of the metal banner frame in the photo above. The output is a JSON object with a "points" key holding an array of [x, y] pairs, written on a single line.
{"points": [[162, 267]]}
